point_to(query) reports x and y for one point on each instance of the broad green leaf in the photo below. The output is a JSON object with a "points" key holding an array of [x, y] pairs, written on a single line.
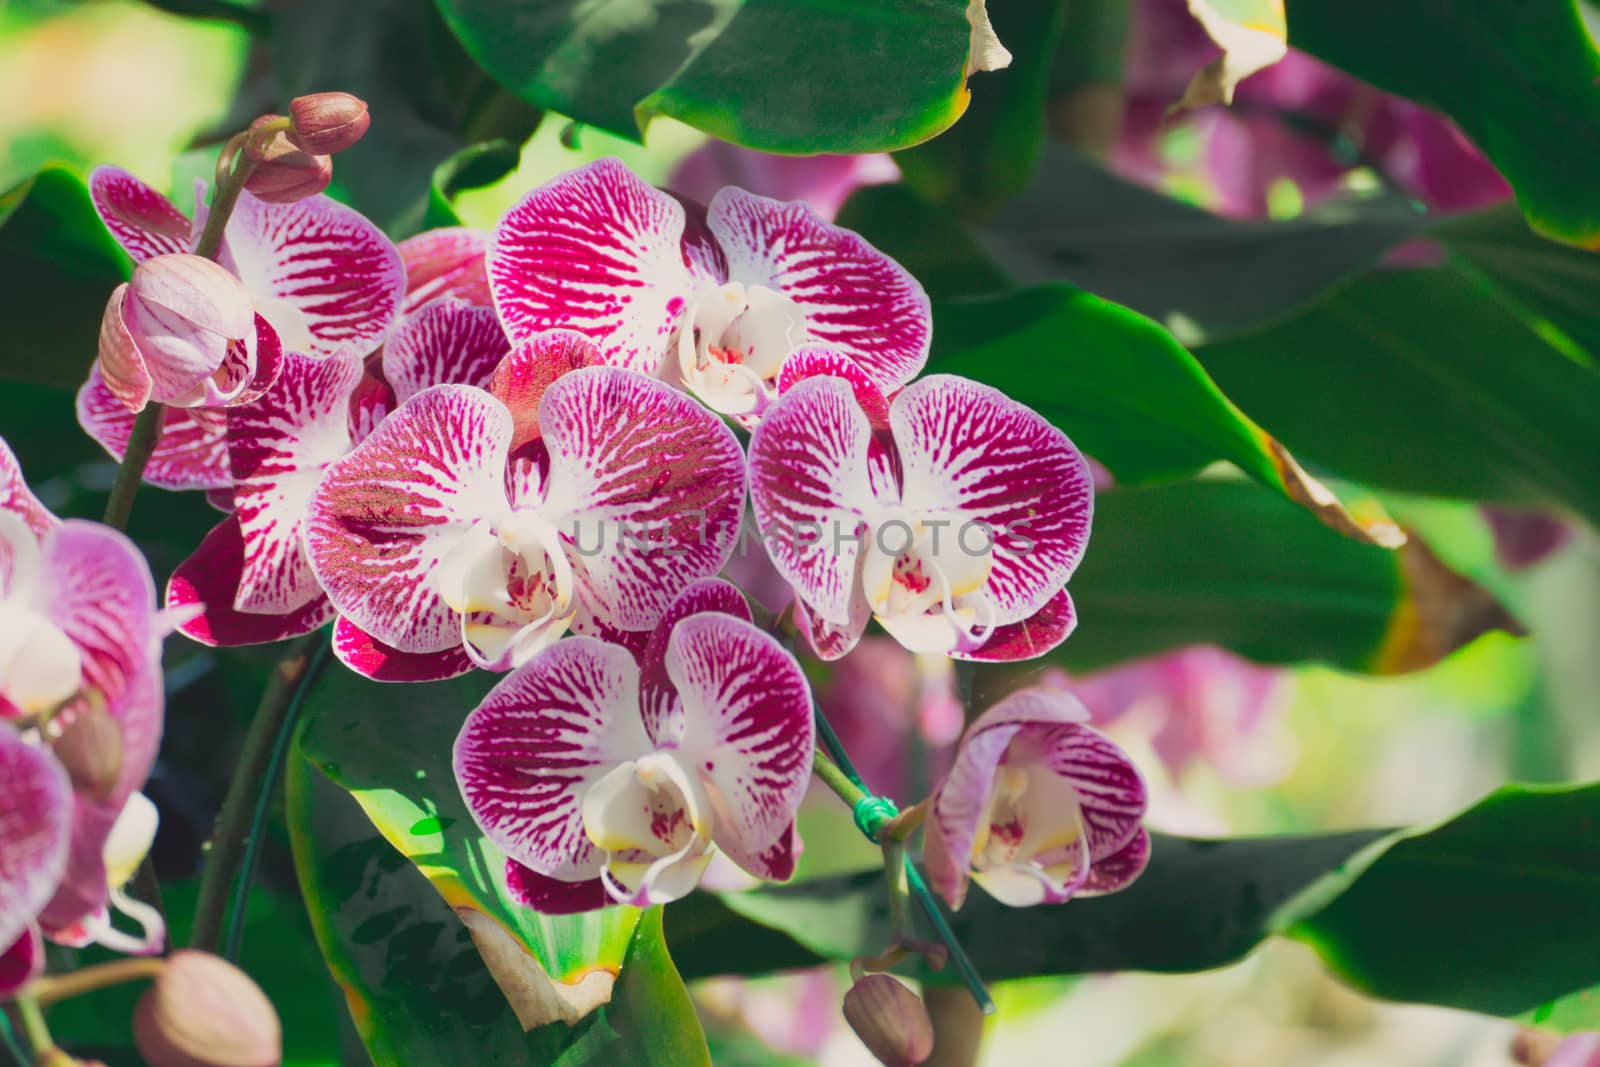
{"points": [[428, 100], [390, 749], [417, 989], [1495, 910], [1428, 381], [1221, 562], [988, 156], [1124, 390], [471, 168], [1520, 79], [59, 266], [794, 76], [279, 953], [929, 242]]}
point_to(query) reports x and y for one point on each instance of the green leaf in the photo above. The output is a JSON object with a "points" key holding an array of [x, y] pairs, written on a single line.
{"points": [[1529, 96], [1221, 562], [929, 242], [395, 761], [416, 986], [60, 266], [428, 100], [1428, 381], [794, 76], [471, 168], [1495, 910], [989, 155], [1123, 389]]}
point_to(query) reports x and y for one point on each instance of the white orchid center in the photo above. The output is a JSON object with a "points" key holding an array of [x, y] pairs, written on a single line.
{"points": [[291, 323], [732, 342], [1031, 836], [512, 583], [923, 575], [40, 666], [653, 820]]}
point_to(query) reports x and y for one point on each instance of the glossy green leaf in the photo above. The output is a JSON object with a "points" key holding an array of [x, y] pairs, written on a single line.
{"points": [[390, 749], [471, 168], [428, 99], [779, 75], [1221, 562], [416, 986], [59, 266], [930, 242], [1429, 381], [1522, 79], [1495, 910], [1122, 388]]}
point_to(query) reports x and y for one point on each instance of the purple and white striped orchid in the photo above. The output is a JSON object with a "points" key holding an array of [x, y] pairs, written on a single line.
{"points": [[250, 577], [957, 529], [1038, 808], [606, 778], [453, 535], [319, 275], [79, 637], [713, 299]]}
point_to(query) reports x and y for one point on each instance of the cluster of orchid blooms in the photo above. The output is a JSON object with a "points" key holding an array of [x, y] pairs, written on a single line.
{"points": [[521, 452]]}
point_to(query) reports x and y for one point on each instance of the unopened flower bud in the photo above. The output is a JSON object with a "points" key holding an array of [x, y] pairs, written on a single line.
{"points": [[283, 172], [90, 748], [890, 1020], [181, 331], [204, 1012], [325, 123]]}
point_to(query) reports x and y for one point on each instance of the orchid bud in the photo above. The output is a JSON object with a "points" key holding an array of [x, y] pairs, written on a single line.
{"points": [[325, 123], [890, 1020], [171, 328], [283, 172], [204, 1012], [90, 748]]}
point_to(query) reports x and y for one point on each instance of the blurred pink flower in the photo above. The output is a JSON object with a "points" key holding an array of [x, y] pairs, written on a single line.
{"points": [[1523, 538], [823, 182], [1579, 1050], [881, 699]]}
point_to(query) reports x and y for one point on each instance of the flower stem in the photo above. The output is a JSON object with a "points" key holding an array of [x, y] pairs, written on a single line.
{"points": [[35, 1028], [222, 206], [141, 444], [54, 988], [229, 836], [834, 777]]}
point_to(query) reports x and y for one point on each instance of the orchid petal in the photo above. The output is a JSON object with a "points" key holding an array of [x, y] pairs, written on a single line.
{"points": [[324, 276], [532, 367], [968, 449], [809, 482], [448, 342], [22, 962], [16, 497], [1028, 638], [371, 658], [635, 460], [1118, 870], [813, 361], [853, 297], [446, 263], [547, 732], [35, 814], [551, 896], [141, 220], [120, 363], [960, 808], [98, 590], [210, 578], [747, 727], [598, 251], [384, 516], [192, 452], [657, 693]]}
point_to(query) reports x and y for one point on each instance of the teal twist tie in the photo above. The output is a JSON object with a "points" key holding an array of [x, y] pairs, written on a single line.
{"points": [[871, 813]]}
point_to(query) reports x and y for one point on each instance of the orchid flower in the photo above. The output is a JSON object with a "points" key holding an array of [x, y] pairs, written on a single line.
{"points": [[250, 576], [79, 642], [713, 300], [610, 779], [445, 264], [956, 530], [452, 537], [1038, 807], [320, 277]]}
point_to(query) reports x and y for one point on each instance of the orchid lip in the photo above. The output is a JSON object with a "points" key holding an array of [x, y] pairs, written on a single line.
{"points": [[512, 584], [653, 820], [732, 341], [925, 584]]}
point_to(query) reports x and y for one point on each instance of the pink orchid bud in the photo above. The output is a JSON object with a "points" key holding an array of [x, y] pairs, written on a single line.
{"points": [[890, 1020], [90, 748], [204, 1012], [178, 333], [284, 173], [325, 123]]}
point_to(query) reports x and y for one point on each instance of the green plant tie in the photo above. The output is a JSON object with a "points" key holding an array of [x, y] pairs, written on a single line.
{"points": [[871, 813]]}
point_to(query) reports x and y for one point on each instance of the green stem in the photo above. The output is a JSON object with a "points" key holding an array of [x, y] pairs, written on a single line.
{"points": [[233, 939], [141, 443], [222, 208], [228, 839], [34, 1026], [835, 778]]}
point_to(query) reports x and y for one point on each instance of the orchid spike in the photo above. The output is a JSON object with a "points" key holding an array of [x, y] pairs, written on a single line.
{"points": [[715, 300], [607, 778], [957, 530], [434, 537], [1038, 808]]}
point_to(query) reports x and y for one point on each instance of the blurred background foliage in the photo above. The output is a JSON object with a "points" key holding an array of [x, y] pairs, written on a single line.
{"points": [[151, 90]]}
